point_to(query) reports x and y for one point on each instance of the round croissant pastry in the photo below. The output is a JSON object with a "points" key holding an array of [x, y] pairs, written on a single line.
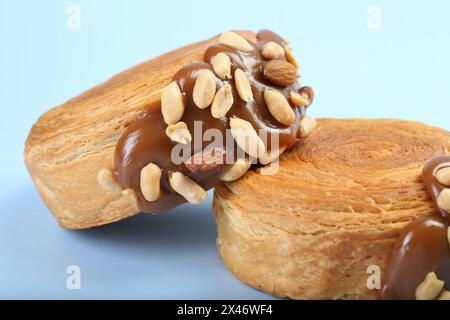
{"points": [[149, 139], [330, 216]]}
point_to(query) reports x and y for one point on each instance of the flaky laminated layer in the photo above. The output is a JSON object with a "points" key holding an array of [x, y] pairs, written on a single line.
{"points": [[335, 208]]}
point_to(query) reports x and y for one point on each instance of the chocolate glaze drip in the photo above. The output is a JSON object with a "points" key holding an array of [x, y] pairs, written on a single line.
{"points": [[423, 246], [145, 140]]}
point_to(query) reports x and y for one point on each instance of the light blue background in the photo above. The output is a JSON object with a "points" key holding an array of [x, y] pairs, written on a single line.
{"points": [[399, 71]]}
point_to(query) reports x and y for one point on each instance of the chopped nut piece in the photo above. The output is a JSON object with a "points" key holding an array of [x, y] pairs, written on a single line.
{"points": [[272, 50], [299, 100], [448, 235], [223, 101], [279, 107], [236, 41], [107, 180], [187, 188], [290, 58], [131, 197], [237, 170], [308, 92], [443, 200], [443, 176], [430, 288], [179, 132], [221, 64], [247, 138], [150, 182], [243, 85], [172, 105], [445, 295], [280, 72], [307, 126], [204, 89], [206, 160]]}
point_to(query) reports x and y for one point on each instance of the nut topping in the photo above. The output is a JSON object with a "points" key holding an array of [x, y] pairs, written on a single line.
{"points": [[187, 188], [443, 176], [307, 126], [231, 77], [223, 101], [430, 288], [448, 235], [299, 100], [204, 89], [243, 85], [280, 72], [445, 295], [279, 107], [272, 50], [131, 197], [107, 180], [237, 170], [308, 92], [291, 58], [172, 105], [247, 138], [221, 64], [443, 200], [236, 41], [179, 132], [206, 161], [150, 182]]}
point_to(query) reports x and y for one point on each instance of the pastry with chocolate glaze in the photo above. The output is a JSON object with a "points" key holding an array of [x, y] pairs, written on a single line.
{"points": [[347, 204], [108, 153], [420, 263]]}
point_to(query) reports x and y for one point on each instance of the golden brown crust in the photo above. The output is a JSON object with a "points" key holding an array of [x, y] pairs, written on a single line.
{"points": [[336, 207], [69, 144]]}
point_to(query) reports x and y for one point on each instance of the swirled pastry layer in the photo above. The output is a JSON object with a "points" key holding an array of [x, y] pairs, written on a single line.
{"points": [[334, 209]]}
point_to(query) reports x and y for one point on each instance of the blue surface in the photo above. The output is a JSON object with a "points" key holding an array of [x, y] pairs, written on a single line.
{"points": [[396, 69]]}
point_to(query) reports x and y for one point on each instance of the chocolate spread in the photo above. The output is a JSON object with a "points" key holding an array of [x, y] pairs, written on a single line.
{"points": [[145, 140]]}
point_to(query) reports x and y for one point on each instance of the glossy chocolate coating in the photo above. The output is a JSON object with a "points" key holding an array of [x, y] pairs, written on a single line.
{"points": [[145, 140], [423, 246]]}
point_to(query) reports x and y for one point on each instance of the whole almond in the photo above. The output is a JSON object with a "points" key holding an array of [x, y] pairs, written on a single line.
{"points": [[232, 39], [280, 72], [221, 64], [204, 89], [272, 50], [223, 101], [179, 132], [279, 107], [243, 85], [172, 105]]}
